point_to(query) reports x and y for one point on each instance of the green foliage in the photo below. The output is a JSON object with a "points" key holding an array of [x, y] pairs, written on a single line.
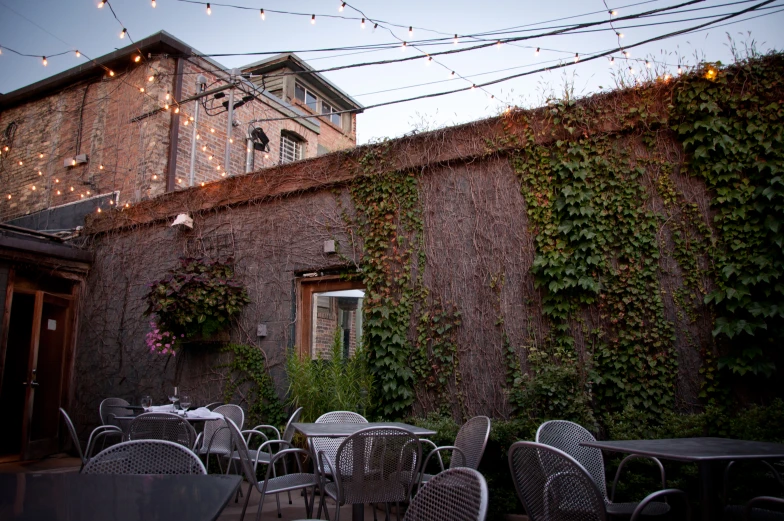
{"points": [[730, 123], [331, 384], [388, 219], [248, 366], [197, 299]]}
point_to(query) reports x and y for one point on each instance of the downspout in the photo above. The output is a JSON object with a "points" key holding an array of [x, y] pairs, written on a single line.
{"points": [[249, 155], [174, 130], [201, 83], [230, 124]]}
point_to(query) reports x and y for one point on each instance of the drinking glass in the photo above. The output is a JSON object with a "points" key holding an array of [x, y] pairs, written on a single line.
{"points": [[185, 402], [174, 397], [146, 403]]}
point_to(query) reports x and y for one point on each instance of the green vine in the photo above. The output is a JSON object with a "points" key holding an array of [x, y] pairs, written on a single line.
{"points": [[248, 366], [730, 123]]}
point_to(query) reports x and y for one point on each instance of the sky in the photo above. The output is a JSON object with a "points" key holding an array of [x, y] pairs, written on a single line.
{"points": [[49, 27]]}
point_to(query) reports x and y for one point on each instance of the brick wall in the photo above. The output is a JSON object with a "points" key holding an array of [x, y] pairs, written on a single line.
{"points": [[127, 141]]}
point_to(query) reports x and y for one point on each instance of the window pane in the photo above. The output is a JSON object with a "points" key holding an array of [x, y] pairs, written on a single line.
{"points": [[290, 149], [325, 108], [311, 101], [299, 92], [336, 119], [337, 317]]}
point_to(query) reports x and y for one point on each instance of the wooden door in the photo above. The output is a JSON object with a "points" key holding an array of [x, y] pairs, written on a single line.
{"points": [[51, 331]]}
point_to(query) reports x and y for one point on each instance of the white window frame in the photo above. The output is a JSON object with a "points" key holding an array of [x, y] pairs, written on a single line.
{"points": [[328, 111], [291, 148], [313, 107]]}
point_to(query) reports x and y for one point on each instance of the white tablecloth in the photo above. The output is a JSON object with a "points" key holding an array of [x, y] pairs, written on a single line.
{"points": [[202, 413]]}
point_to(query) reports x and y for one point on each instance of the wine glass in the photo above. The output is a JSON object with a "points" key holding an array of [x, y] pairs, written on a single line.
{"points": [[146, 403], [185, 402], [173, 398]]}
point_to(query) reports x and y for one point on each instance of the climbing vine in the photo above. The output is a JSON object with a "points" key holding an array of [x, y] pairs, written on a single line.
{"points": [[729, 121], [248, 377]]}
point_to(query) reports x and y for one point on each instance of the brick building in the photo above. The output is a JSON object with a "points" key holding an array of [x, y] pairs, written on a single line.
{"points": [[153, 118]]}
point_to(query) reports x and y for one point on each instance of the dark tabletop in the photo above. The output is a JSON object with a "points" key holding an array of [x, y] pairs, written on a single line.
{"points": [[94, 497], [339, 430], [695, 449]]}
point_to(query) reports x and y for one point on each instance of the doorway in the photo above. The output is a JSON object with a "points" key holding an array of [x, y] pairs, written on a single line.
{"points": [[38, 340]]}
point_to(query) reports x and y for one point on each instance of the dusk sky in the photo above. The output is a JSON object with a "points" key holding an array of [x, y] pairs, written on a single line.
{"points": [[49, 27]]}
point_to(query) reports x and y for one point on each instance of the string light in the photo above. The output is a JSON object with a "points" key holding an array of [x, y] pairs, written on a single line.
{"points": [[40, 156], [78, 54], [536, 53], [212, 130], [631, 70], [404, 46], [100, 4], [56, 180], [165, 106], [176, 110], [100, 167], [612, 60], [43, 60], [9, 196], [342, 6], [498, 45], [153, 4], [429, 60], [40, 173], [127, 205], [362, 25], [202, 183], [72, 188], [155, 177], [167, 96], [99, 210], [198, 136], [209, 9], [137, 58], [627, 53], [313, 20], [33, 188], [204, 148], [151, 78], [613, 13], [375, 26], [111, 202], [473, 86], [88, 192], [21, 163], [452, 74], [141, 89], [679, 72], [231, 140], [667, 77], [111, 73], [58, 192], [73, 162], [576, 57], [185, 122], [647, 64], [123, 33], [410, 31], [261, 13], [620, 35], [455, 39]]}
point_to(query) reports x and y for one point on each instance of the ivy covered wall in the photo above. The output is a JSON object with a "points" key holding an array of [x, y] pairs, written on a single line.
{"points": [[622, 250]]}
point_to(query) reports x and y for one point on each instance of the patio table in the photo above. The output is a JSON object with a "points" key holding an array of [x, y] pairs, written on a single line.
{"points": [[342, 430], [88, 497], [704, 452]]}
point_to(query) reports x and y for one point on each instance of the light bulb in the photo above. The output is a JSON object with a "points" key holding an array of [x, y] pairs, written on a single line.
{"points": [[155, 177], [209, 9], [33, 187], [78, 54], [231, 140], [123, 33], [679, 69], [410, 31], [111, 73], [536, 53], [58, 192], [100, 167], [498, 44], [21, 163], [100, 4], [455, 39], [403, 46], [191, 118], [202, 183], [127, 205], [473, 86], [342, 6], [576, 57], [99, 210], [362, 25], [452, 74], [40, 173], [612, 60], [204, 148], [141, 89], [167, 96], [40, 156], [165, 106], [9, 196], [176, 110], [613, 13], [209, 158], [429, 60], [375, 26], [313, 20], [153, 4], [647, 64], [43, 60], [56, 180], [627, 53], [185, 122], [212, 130], [261, 13], [151, 79], [631, 70], [137, 58], [620, 35], [72, 188], [667, 77], [88, 192], [198, 136]]}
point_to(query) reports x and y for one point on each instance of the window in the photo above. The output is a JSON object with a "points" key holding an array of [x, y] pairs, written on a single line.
{"points": [[306, 97], [329, 308], [291, 148], [329, 112]]}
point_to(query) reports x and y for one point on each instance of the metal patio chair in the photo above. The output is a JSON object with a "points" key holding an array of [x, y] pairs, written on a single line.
{"points": [[259, 455], [329, 446], [373, 465], [97, 433], [215, 438], [145, 457], [162, 426], [272, 483], [554, 486], [567, 436], [110, 408], [457, 494], [468, 449]]}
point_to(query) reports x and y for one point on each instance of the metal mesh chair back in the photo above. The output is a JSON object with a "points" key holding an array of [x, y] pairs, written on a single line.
{"points": [[72, 432], [567, 436], [288, 433], [241, 447], [162, 426], [471, 440], [145, 457], [329, 446], [216, 439], [111, 407], [378, 465], [458, 494], [553, 486]]}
